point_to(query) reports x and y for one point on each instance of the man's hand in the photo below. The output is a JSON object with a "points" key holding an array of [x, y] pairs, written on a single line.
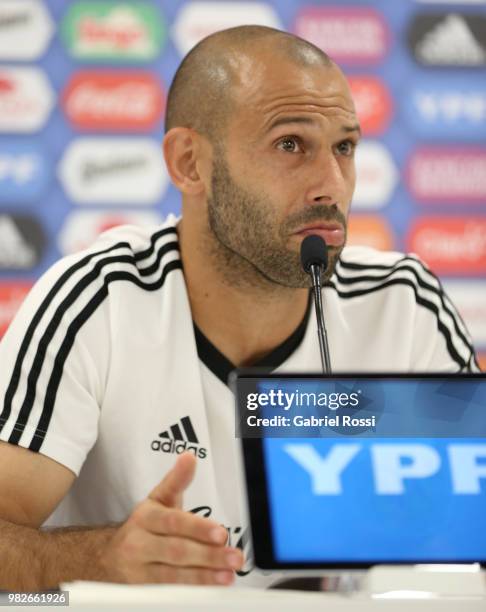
{"points": [[160, 543]]}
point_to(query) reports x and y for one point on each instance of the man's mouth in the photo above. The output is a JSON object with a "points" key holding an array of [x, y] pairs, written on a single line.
{"points": [[332, 233]]}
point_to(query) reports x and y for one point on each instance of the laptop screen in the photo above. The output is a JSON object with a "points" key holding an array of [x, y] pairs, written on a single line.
{"points": [[367, 470]]}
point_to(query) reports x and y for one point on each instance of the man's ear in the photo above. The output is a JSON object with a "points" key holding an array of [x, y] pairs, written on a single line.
{"points": [[183, 154]]}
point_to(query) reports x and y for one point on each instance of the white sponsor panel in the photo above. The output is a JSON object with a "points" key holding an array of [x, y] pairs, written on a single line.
{"points": [[376, 176], [469, 297], [26, 99], [196, 20], [114, 171], [82, 227], [25, 29]]}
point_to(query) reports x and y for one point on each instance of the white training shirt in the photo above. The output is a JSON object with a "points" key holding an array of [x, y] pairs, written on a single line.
{"points": [[104, 371]]}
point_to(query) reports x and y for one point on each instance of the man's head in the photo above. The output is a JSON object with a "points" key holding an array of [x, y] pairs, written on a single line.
{"points": [[261, 131]]}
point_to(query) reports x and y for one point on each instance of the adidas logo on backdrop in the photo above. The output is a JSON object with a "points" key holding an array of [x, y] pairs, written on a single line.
{"points": [[451, 42], [178, 438]]}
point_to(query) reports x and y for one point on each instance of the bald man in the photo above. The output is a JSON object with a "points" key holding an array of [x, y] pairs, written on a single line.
{"points": [[118, 360]]}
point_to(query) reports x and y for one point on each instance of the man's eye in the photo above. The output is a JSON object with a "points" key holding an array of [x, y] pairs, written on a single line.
{"points": [[346, 147], [289, 144]]}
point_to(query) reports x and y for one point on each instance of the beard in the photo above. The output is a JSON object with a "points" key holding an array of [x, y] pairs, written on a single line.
{"points": [[248, 244]]}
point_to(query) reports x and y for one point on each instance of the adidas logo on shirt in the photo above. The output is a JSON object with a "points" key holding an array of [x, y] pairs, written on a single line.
{"points": [[179, 438]]}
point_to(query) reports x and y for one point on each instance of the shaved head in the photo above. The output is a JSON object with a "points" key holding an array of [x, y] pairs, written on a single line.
{"points": [[202, 97]]}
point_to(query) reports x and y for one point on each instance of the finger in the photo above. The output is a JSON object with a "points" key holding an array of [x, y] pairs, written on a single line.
{"points": [[169, 490], [167, 574], [181, 552], [160, 520]]}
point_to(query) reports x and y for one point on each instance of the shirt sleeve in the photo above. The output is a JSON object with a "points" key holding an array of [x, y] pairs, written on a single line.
{"points": [[53, 361], [442, 342]]}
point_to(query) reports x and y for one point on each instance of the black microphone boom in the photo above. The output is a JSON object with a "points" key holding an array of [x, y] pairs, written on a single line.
{"points": [[313, 256]]}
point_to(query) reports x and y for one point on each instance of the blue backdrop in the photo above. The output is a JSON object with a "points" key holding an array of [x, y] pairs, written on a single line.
{"points": [[81, 121]]}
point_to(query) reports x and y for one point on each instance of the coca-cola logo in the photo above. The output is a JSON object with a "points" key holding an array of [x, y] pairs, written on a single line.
{"points": [[373, 103], [450, 245], [114, 101], [448, 175], [349, 35]]}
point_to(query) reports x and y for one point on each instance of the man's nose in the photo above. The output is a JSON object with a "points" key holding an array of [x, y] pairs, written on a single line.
{"points": [[327, 181]]}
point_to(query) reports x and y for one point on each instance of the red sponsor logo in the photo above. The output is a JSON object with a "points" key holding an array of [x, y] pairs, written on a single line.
{"points": [[373, 104], [12, 295], [448, 175], [450, 245], [114, 101], [348, 34]]}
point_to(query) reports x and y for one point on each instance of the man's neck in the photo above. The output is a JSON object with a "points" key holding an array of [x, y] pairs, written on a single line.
{"points": [[244, 320]]}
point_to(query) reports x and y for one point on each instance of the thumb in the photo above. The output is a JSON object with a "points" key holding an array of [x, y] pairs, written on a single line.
{"points": [[170, 489]]}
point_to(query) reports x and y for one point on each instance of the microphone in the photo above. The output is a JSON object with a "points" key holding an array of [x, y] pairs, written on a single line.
{"points": [[313, 257]]}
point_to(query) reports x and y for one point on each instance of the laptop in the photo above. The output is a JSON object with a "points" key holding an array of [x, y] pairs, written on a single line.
{"points": [[353, 470]]}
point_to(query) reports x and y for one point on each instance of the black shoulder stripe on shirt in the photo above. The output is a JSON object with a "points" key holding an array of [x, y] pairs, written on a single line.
{"points": [[153, 239], [447, 313], [463, 363], [73, 329], [39, 314], [36, 319], [53, 326], [459, 332], [457, 322]]}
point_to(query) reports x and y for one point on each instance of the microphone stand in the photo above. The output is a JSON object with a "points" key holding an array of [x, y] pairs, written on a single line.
{"points": [[315, 270]]}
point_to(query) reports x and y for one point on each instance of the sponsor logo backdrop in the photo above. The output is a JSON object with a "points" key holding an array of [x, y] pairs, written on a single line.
{"points": [[83, 86]]}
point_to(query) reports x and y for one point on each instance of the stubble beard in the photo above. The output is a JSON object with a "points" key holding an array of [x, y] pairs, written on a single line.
{"points": [[248, 248]]}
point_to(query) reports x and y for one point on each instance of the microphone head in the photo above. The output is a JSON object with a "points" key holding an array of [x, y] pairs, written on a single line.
{"points": [[313, 250]]}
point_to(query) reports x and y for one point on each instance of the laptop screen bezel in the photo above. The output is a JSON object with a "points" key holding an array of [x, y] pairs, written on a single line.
{"points": [[255, 478]]}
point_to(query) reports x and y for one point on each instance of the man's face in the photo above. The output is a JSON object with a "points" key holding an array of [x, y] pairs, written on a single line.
{"points": [[286, 169]]}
